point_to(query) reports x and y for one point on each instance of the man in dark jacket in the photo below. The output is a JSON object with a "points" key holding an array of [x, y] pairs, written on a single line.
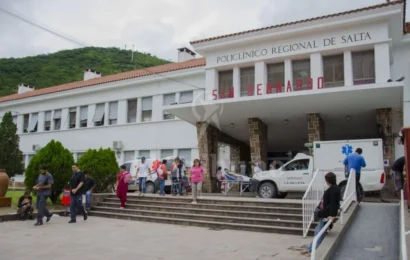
{"points": [[77, 189], [397, 175]]}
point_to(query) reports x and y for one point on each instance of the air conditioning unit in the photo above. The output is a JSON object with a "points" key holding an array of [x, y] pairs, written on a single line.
{"points": [[117, 145], [36, 147]]}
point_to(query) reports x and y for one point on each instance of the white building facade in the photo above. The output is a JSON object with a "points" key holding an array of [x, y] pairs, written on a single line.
{"points": [[263, 93]]}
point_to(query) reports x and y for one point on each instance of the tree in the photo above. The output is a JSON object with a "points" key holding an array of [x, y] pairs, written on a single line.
{"points": [[101, 165], [58, 160], [11, 158]]}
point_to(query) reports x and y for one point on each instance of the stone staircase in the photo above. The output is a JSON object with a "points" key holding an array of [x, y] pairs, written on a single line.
{"points": [[258, 215]]}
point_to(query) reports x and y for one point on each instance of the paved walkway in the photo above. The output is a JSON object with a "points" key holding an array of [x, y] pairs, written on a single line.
{"points": [[101, 238]]}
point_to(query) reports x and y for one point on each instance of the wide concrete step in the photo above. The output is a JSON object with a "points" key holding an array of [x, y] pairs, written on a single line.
{"points": [[204, 217], [186, 204], [213, 212], [201, 223], [220, 201]]}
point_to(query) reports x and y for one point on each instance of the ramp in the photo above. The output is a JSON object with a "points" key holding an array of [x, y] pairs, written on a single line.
{"points": [[373, 234]]}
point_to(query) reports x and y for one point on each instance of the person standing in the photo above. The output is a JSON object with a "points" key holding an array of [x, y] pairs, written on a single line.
{"points": [[162, 173], [355, 161], [123, 178], [43, 188], [397, 175], [197, 177], [76, 194], [89, 187], [25, 206], [143, 171], [218, 179]]}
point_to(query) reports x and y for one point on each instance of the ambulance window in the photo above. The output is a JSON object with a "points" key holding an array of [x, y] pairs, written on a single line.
{"points": [[297, 165]]}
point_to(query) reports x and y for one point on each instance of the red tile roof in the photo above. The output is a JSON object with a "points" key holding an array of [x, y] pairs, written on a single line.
{"points": [[300, 21], [110, 78]]}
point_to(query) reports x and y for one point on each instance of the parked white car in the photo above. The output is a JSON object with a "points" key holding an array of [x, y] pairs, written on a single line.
{"points": [[295, 175]]}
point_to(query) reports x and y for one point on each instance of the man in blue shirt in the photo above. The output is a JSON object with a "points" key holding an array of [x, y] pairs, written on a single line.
{"points": [[355, 161], [43, 188]]}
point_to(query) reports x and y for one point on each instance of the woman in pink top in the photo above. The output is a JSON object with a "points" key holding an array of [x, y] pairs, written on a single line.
{"points": [[197, 177], [122, 187]]}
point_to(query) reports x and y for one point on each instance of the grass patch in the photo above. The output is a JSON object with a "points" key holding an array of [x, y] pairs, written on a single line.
{"points": [[16, 194]]}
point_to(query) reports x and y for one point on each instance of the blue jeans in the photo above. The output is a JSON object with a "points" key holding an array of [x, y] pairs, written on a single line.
{"points": [[319, 227], [76, 203], [142, 184], [161, 186], [88, 195]]}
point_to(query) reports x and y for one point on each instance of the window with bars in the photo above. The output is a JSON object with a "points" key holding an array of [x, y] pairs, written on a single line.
{"points": [[166, 153], [276, 75], [186, 155], [15, 120], [145, 153], [99, 114], [72, 117], [57, 119], [26, 120], [301, 74], [132, 111], [186, 97], [169, 99], [83, 116], [247, 81], [146, 115], [32, 126], [129, 156], [363, 67], [333, 70], [225, 84], [47, 121], [113, 113]]}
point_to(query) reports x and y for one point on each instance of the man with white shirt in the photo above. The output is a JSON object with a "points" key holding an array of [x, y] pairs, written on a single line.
{"points": [[142, 173]]}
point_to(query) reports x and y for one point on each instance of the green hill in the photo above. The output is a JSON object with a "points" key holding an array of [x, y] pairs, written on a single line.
{"points": [[48, 70]]}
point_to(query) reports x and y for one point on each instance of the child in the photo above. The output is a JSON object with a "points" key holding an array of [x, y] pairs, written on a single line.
{"points": [[65, 201]]}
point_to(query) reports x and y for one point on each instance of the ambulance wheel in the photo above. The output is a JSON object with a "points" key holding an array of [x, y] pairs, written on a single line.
{"points": [[268, 190]]}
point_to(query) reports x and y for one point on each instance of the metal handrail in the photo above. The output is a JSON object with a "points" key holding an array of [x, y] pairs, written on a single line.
{"points": [[403, 232], [316, 238]]}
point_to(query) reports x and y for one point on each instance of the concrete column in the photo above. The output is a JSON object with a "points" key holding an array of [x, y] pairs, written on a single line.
{"points": [[288, 73], [236, 82], [77, 118], [348, 68], [91, 112], [65, 121], [384, 124], [157, 108], [139, 109], [258, 142], [211, 83], [207, 146], [261, 77], [316, 128], [26, 162], [382, 62], [40, 122], [316, 68], [122, 112], [106, 113]]}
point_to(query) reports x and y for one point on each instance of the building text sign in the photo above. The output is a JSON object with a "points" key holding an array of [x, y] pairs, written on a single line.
{"points": [[294, 47]]}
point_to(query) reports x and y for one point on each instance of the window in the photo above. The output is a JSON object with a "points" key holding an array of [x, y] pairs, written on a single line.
{"points": [[113, 114], [79, 156], [26, 120], [297, 165], [99, 114], [167, 153], [186, 155], [129, 156], [15, 120], [301, 72], [276, 74], [72, 117], [225, 83], [32, 127], [83, 116], [128, 167], [247, 81], [363, 67], [47, 121], [145, 153], [30, 156], [333, 70], [146, 109], [186, 97], [169, 99], [57, 119], [132, 111]]}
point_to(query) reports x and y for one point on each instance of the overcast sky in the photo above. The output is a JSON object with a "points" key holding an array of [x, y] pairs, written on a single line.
{"points": [[155, 26]]}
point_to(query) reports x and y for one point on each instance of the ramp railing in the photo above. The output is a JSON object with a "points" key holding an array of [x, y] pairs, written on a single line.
{"points": [[403, 232], [312, 198], [350, 194]]}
